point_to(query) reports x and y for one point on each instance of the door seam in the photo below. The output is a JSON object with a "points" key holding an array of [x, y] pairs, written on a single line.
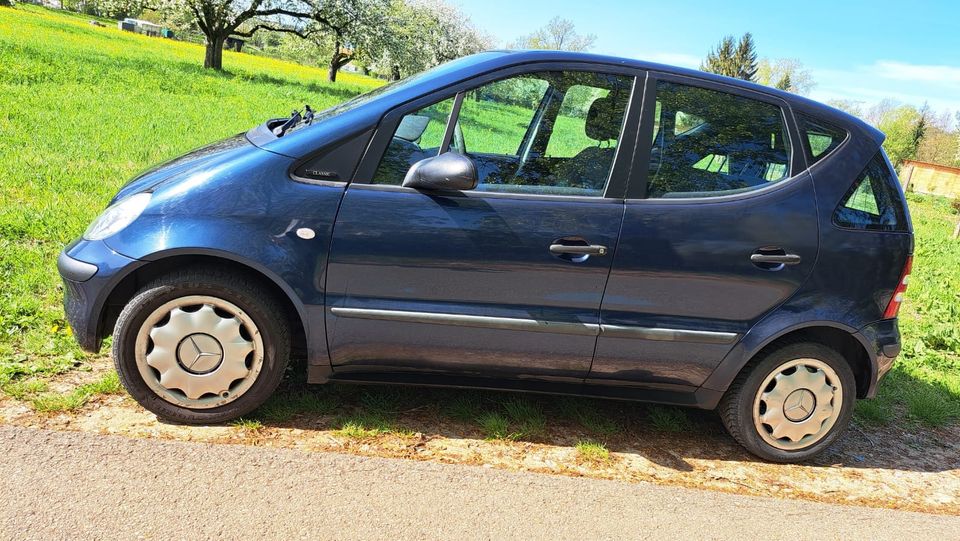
{"points": [[603, 294]]}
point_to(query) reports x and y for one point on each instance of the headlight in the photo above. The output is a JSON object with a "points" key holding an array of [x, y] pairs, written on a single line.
{"points": [[117, 216]]}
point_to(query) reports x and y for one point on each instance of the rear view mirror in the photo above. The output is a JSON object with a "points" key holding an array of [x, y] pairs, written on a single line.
{"points": [[412, 127], [447, 172]]}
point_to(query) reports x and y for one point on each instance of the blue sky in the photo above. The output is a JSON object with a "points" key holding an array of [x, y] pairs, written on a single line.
{"points": [[863, 51]]}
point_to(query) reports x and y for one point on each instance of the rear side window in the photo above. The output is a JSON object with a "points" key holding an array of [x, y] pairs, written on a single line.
{"points": [[709, 143], [873, 202], [822, 137]]}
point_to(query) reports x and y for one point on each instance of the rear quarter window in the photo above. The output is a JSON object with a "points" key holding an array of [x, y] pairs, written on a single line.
{"points": [[874, 202], [821, 137]]}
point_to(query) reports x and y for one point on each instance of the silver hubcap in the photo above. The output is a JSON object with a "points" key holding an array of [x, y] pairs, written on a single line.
{"points": [[798, 404], [199, 352]]}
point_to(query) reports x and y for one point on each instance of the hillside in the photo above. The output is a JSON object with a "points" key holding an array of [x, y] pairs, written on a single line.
{"points": [[82, 109]]}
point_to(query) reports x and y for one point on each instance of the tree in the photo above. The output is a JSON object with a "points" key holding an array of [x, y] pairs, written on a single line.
{"points": [[904, 127], [449, 32], [559, 35], [956, 159], [939, 146], [733, 58], [851, 107], [771, 72], [120, 9], [403, 42], [785, 83], [424, 33], [920, 128], [220, 19], [746, 58], [881, 110], [721, 60], [6, 3], [349, 26]]}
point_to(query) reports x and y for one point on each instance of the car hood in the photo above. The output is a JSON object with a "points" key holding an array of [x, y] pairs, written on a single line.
{"points": [[205, 156]]}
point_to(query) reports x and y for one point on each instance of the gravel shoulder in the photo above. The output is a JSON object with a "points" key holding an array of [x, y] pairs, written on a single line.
{"points": [[64, 484], [899, 467]]}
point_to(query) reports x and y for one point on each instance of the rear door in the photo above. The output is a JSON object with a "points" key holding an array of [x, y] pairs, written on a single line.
{"points": [[503, 280], [716, 233]]}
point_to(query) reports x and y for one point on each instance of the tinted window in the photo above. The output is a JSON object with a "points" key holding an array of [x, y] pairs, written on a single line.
{"points": [[552, 133], [874, 201], [549, 133], [418, 136], [495, 118], [569, 134], [822, 137], [708, 143]]}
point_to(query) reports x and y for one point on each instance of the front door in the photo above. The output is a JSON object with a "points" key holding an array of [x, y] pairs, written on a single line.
{"points": [[493, 281], [721, 235]]}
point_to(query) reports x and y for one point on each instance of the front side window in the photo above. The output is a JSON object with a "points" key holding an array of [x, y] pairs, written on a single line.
{"points": [[552, 133], [873, 202], [495, 118], [709, 143], [418, 136], [546, 133]]}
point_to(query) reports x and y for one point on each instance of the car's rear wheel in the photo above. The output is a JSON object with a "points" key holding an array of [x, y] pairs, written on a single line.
{"points": [[792, 403], [201, 346]]}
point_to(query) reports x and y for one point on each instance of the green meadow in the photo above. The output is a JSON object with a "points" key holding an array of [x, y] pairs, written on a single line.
{"points": [[83, 108]]}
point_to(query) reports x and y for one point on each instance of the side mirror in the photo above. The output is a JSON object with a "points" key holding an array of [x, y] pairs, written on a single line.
{"points": [[447, 172]]}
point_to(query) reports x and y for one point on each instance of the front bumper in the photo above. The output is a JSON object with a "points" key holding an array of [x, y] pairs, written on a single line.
{"points": [[90, 270], [883, 341]]}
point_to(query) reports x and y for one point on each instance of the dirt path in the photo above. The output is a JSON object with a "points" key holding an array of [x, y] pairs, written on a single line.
{"points": [[62, 484], [891, 467]]}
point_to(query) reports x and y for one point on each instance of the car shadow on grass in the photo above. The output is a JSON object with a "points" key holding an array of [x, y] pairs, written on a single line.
{"points": [[670, 437]]}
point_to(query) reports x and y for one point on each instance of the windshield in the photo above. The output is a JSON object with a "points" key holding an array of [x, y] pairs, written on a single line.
{"points": [[393, 87]]}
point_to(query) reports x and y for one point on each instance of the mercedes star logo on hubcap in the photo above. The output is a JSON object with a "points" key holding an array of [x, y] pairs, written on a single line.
{"points": [[799, 405], [200, 353]]}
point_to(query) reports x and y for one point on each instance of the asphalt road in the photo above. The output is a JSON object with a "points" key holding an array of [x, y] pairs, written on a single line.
{"points": [[55, 485]]}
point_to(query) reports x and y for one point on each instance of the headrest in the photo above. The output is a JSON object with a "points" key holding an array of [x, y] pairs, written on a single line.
{"points": [[604, 119]]}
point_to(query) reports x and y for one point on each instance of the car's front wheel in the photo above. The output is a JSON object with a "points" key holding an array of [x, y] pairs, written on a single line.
{"points": [[201, 346], [792, 404]]}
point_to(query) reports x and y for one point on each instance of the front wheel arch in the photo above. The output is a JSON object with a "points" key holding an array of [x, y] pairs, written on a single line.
{"points": [[167, 262]]}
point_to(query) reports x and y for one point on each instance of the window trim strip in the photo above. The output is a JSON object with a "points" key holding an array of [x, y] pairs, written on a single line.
{"points": [[389, 120], [538, 325], [637, 187]]}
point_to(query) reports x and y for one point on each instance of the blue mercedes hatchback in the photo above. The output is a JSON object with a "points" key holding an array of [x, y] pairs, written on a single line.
{"points": [[539, 221]]}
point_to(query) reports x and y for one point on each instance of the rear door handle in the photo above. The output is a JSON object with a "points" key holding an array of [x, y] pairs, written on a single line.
{"points": [[782, 259], [589, 249]]}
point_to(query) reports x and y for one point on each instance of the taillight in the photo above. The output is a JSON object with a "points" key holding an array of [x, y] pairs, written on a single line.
{"points": [[893, 307]]}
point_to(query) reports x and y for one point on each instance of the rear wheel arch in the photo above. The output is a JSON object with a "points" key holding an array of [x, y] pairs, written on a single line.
{"points": [[168, 262], [838, 338]]}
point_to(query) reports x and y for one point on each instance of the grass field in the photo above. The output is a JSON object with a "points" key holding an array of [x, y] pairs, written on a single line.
{"points": [[83, 108]]}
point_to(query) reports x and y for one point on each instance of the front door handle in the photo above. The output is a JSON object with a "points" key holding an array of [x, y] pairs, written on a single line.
{"points": [[588, 249], [779, 259]]}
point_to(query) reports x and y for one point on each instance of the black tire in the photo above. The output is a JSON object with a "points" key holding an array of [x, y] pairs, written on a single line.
{"points": [[736, 409], [261, 307]]}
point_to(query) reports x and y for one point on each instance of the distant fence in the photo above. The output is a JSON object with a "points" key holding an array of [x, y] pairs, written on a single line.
{"points": [[930, 178]]}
